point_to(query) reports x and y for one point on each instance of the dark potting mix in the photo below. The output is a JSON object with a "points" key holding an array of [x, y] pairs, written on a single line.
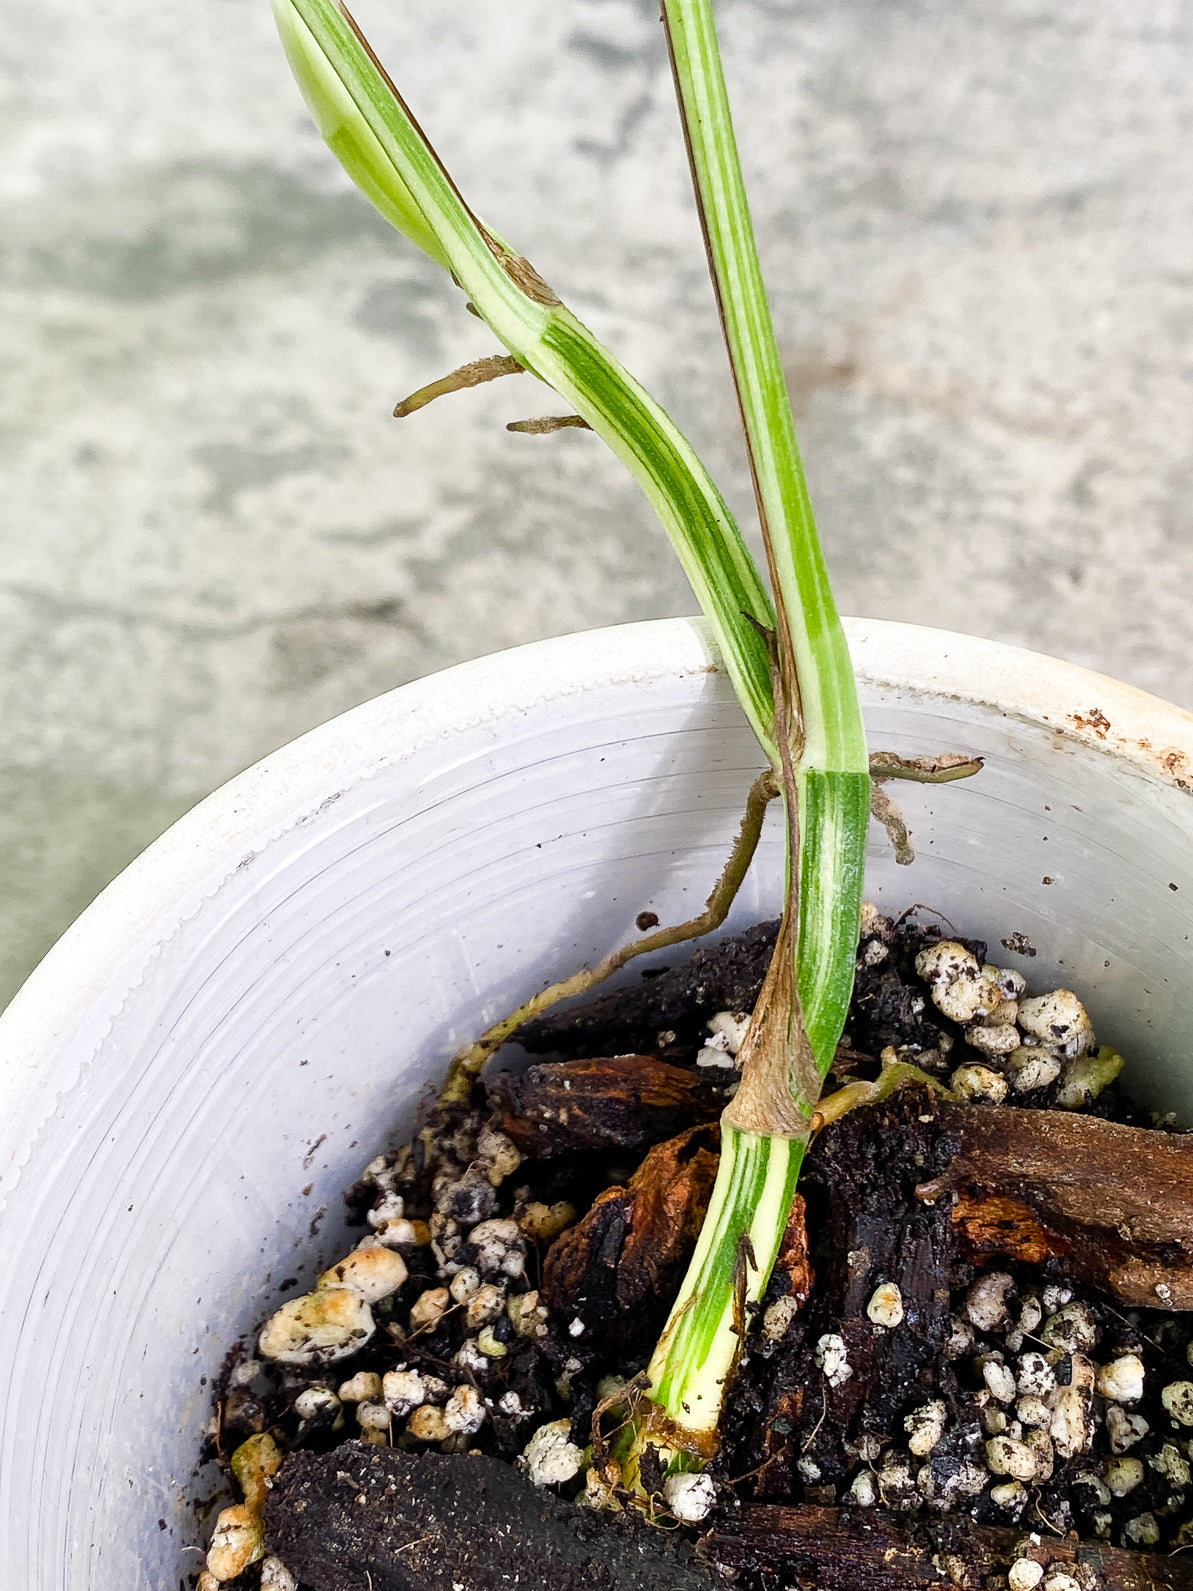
{"points": [[970, 1367]]}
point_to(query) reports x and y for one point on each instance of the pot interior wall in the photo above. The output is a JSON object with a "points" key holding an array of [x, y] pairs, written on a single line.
{"points": [[207, 1060]]}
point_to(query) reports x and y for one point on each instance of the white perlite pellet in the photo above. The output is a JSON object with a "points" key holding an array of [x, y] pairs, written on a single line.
{"points": [[464, 1284], [1073, 1328], [1142, 1530], [1060, 1580], [551, 1457], [1124, 1429], [1057, 1019], [1010, 1495], [276, 1577], [1039, 1445], [403, 1390], [1033, 1411], [886, 1305], [925, 1426], [485, 1304], [777, 1317], [1071, 1427], [1094, 1484], [372, 1416], [832, 1356], [364, 1384], [1000, 1379], [955, 981], [237, 1541], [995, 1039], [863, 1492], [960, 1339], [986, 1301], [1123, 1475], [429, 1308], [318, 1328], [1007, 1456], [1032, 1068], [689, 1497], [1170, 1463], [1177, 1398], [1025, 1574], [980, 1085], [464, 1411], [469, 1358], [731, 1025], [896, 1483], [1122, 1379], [313, 1402], [373, 1273], [499, 1246]]}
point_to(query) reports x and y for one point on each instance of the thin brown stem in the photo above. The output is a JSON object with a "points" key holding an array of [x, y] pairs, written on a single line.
{"points": [[469, 1062]]}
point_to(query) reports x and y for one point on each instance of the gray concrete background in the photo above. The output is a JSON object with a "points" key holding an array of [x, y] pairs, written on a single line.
{"points": [[976, 220]]}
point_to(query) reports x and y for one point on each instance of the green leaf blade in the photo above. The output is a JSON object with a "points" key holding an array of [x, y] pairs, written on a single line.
{"points": [[347, 132]]}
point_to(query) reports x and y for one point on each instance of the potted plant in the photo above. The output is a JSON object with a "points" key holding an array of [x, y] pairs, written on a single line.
{"points": [[225, 1003]]}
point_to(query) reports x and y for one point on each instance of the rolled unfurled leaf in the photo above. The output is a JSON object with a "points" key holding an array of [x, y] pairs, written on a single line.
{"points": [[342, 121]]}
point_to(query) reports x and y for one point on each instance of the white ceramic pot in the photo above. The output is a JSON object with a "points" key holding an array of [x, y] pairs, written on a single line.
{"points": [[245, 1017]]}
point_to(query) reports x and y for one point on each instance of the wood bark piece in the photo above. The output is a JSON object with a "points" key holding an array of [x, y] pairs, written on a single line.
{"points": [[1111, 1205], [619, 1268], [622, 1102], [365, 1518], [838, 1549]]}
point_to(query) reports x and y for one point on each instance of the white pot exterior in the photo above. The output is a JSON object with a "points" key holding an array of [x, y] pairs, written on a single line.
{"points": [[204, 1063]]}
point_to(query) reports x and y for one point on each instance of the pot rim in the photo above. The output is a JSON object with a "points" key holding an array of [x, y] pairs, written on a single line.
{"points": [[80, 984]]}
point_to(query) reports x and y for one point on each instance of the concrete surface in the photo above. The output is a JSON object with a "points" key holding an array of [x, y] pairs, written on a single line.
{"points": [[976, 218]]}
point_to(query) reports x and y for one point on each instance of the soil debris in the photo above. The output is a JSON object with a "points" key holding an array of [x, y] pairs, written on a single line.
{"points": [[373, 1519]]}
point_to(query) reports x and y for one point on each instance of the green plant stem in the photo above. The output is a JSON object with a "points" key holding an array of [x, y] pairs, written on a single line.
{"points": [[800, 1013], [734, 1256], [368, 125]]}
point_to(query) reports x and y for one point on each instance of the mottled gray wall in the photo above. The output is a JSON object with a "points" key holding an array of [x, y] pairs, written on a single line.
{"points": [[976, 218]]}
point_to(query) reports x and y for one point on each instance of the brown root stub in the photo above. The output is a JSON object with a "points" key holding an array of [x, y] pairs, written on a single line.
{"points": [[629, 1252], [1113, 1205], [366, 1518], [621, 1102], [838, 1549], [547, 424]]}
